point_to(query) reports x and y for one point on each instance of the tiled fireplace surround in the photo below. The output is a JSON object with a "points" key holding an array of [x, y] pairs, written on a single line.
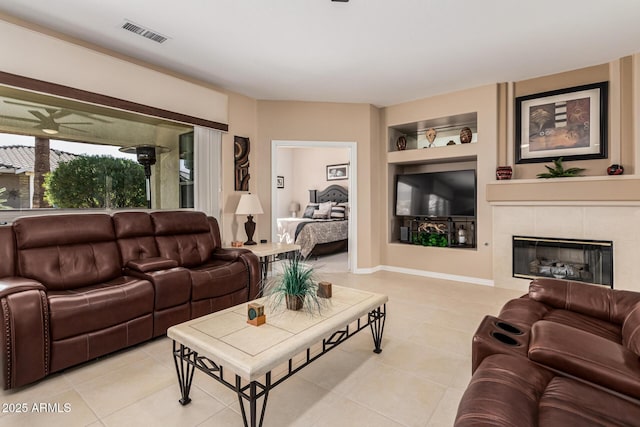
{"points": [[619, 222]]}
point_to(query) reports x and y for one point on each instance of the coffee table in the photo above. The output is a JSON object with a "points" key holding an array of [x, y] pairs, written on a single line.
{"points": [[287, 342]]}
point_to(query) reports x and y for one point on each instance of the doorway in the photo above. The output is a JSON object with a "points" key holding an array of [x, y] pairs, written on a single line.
{"points": [[281, 199]]}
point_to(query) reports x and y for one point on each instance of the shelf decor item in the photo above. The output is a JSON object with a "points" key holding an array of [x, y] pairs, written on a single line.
{"points": [[430, 135], [615, 170], [569, 123], [466, 135], [255, 314], [401, 143], [504, 172], [295, 285], [558, 171]]}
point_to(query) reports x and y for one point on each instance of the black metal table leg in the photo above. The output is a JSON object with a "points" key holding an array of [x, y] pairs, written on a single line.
{"points": [[185, 371], [376, 321], [253, 397]]}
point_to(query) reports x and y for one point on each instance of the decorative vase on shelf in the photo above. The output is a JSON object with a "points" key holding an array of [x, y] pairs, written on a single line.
{"points": [[401, 143], [615, 170], [504, 172], [466, 135], [430, 135], [462, 235]]}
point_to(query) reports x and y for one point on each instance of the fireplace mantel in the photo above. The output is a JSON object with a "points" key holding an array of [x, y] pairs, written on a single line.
{"points": [[605, 190]]}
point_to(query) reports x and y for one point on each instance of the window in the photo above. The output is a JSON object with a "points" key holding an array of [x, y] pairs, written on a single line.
{"points": [[61, 153]]}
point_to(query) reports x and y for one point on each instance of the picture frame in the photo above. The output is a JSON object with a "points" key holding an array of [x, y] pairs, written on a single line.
{"points": [[338, 172], [569, 123], [280, 182]]}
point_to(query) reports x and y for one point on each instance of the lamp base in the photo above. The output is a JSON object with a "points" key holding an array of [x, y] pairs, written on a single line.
{"points": [[250, 228]]}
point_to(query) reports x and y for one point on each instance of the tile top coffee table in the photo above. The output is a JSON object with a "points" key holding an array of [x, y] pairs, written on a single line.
{"points": [[224, 341]]}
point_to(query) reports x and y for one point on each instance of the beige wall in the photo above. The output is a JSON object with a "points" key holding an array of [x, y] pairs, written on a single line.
{"points": [[471, 264], [307, 172], [242, 122], [319, 121], [56, 60], [620, 129]]}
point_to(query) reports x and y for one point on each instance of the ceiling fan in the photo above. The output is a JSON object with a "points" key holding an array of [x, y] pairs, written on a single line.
{"points": [[49, 123]]}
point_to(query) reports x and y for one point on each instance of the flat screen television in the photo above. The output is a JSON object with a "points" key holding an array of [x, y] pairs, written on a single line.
{"points": [[450, 193]]}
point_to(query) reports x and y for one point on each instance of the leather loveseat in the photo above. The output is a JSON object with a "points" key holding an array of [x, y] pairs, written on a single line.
{"points": [[588, 333], [76, 287]]}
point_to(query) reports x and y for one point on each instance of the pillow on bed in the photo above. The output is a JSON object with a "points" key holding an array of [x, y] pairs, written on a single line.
{"points": [[324, 211], [345, 205], [309, 210], [338, 212]]}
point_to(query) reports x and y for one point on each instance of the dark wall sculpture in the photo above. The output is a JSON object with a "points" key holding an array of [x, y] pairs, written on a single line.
{"points": [[241, 155]]}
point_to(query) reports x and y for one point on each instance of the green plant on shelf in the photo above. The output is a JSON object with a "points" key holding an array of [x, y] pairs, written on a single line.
{"points": [[430, 239], [558, 170]]}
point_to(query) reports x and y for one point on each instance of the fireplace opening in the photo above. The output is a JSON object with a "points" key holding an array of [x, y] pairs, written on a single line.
{"points": [[589, 261]]}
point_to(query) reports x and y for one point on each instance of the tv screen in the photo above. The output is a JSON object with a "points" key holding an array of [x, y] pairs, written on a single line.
{"points": [[451, 193]]}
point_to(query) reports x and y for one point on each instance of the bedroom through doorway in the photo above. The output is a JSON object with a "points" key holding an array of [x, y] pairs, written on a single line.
{"points": [[313, 201]]}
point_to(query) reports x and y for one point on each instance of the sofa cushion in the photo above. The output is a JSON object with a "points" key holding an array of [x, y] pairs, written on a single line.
{"points": [[183, 236], [512, 391], [96, 307], [217, 278], [7, 252], [134, 231], [591, 300], [525, 312], [585, 355], [67, 251]]}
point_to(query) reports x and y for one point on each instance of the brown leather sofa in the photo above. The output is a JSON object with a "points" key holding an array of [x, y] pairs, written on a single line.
{"points": [[585, 332], [76, 287]]}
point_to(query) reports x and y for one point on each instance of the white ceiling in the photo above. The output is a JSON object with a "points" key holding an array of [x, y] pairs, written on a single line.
{"points": [[381, 52]]}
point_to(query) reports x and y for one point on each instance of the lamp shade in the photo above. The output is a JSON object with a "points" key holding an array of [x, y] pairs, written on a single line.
{"points": [[249, 204], [294, 207]]}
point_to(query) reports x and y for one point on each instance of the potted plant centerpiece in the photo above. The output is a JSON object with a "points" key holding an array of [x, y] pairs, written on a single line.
{"points": [[295, 284]]}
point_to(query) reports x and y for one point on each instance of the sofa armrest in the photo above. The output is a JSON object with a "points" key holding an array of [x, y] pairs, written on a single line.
{"points": [[586, 356], [151, 264], [24, 322], [11, 285], [592, 300], [251, 262]]}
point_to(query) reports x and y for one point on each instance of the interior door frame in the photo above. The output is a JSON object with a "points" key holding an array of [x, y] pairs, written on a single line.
{"points": [[353, 188]]}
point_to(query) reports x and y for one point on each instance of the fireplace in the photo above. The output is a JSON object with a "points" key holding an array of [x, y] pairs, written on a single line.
{"points": [[589, 261]]}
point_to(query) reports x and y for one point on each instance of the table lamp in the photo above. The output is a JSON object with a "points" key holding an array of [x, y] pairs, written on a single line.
{"points": [[294, 207], [249, 204]]}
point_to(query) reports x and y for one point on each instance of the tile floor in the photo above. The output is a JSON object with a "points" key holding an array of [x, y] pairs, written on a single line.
{"points": [[417, 380]]}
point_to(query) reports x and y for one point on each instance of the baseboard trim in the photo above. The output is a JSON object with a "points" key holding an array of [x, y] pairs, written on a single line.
{"points": [[424, 273]]}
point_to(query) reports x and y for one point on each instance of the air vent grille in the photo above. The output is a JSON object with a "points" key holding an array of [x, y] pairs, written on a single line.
{"points": [[144, 32]]}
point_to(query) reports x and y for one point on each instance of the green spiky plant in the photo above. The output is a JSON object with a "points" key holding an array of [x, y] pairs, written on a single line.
{"points": [[297, 281], [558, 171]]}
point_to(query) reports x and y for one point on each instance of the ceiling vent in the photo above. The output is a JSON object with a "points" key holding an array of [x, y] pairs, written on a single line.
{"points": [[144, 32]]}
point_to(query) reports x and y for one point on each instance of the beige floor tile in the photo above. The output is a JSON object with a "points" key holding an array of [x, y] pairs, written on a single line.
{"points": [[443, 338], [163, 409], [426, 362], [346, 413], [105, 365], [62, 409], [445, 413], [417, 380], [122, 387], [339, 371], [398, 395], [34, 393]]}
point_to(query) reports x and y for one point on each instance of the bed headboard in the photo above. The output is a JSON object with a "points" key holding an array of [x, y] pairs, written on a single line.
{"points": [[333, 193]]}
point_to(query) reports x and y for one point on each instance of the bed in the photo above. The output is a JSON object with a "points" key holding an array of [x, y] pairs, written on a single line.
{"points": [[319, 236]]}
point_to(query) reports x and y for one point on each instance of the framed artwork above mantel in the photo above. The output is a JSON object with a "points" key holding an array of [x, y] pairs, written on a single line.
{"points": [[569, 123]]}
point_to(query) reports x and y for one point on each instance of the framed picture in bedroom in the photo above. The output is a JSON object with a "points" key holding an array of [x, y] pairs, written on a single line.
{"points": [[337, 172], [569, 123], [280, 182]]}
